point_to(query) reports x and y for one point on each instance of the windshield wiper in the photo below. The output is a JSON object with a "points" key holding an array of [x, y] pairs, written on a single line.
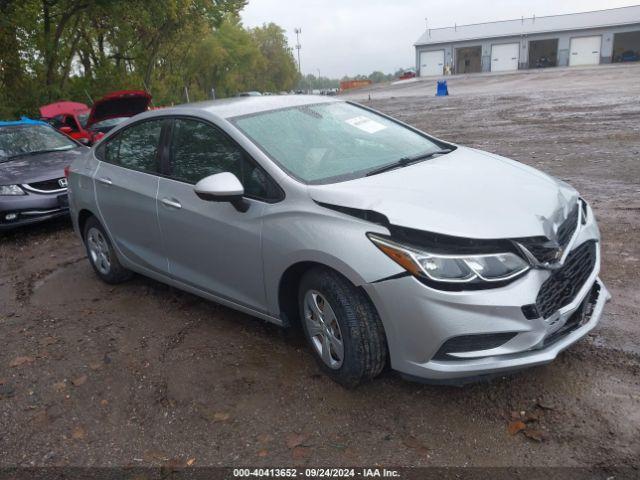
{"points": [[405, 161], [38, 152]]}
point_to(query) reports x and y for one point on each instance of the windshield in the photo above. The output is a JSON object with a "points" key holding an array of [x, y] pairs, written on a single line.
{"points": [[332, 142], [82, 118], [108, 123], [19, 140]]}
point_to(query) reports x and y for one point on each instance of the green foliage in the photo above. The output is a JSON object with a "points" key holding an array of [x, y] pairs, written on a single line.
{"points": [[311, 82], [52, 50]]}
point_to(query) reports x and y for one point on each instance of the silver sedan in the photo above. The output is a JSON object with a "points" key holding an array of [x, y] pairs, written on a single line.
{"points": [[387, 245]]}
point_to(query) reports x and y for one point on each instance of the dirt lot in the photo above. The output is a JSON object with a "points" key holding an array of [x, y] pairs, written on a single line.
{"points": [[142, 374]]}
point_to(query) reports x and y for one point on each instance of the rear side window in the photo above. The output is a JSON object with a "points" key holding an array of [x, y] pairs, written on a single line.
{"points": [[135, 147], [199, 150]]}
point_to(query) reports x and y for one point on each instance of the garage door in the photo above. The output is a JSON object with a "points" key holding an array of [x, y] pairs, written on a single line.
{"points": [[505, 57], [431, 63], [585, 51]]}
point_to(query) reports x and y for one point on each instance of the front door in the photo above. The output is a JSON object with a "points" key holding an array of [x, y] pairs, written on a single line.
{"points": [[126, 186], [212, 245]]}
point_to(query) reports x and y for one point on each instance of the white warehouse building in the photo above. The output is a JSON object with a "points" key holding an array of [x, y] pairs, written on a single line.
{"points": [[589, 38]]}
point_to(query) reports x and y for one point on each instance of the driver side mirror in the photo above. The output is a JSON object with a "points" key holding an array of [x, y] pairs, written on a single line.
{"points": [[222, 187], [66, 130]]}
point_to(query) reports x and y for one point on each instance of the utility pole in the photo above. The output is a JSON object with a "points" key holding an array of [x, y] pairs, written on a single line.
{"points": [[298, 32]]}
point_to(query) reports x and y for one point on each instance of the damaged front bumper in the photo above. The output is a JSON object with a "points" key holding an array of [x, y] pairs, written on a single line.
{"points": [[486, 332]]}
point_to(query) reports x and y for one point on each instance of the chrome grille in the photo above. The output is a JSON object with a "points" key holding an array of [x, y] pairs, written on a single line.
{"points": [[562, 286], [52, 185]]}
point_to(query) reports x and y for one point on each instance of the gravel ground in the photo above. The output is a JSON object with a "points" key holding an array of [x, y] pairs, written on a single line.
{"points": [[142, 374]]}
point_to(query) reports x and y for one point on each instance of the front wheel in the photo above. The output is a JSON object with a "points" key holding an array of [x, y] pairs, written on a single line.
{"points": [[342, 327], [101, 254]]}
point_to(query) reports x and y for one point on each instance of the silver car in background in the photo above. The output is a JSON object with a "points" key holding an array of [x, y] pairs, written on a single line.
{"points": [[386, 244]]}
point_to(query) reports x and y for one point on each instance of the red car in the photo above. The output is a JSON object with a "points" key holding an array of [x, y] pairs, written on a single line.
{"points": [[70, 118], [407, 75], [90, 125]]}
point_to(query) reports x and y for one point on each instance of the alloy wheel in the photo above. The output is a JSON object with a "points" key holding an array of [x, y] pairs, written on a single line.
{"points": [[99, 251], [323, 329]]}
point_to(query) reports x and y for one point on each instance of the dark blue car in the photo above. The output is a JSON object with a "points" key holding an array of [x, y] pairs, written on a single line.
{"points": [[33, 187], [629, 56]]}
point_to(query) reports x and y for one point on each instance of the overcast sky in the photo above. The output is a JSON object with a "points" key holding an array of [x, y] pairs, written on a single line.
{"points": [[349, 37]]}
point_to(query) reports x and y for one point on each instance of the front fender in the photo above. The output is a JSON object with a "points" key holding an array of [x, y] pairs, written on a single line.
{"points": [[325, 237]]}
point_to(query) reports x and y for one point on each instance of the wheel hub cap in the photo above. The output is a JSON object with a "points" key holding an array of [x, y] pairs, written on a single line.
{"points": [[323, 329], [99, 250]]}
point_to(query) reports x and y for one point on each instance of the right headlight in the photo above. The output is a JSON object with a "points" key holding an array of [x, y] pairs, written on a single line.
{"points": [[494, 267], [11, 190]]}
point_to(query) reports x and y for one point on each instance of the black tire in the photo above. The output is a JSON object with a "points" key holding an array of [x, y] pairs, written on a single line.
{"points": [[361, 330], [115, 273]]}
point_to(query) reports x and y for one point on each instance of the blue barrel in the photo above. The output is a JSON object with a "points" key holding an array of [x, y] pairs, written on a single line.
{"points": [[442, 90]]}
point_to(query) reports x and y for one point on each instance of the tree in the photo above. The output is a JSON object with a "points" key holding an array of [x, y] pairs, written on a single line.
{"points": [[378, 77], [278, 70], [80, 49]]}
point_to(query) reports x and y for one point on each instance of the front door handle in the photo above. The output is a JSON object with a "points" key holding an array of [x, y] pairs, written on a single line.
{"points": [[105, 180], [171, 203]]}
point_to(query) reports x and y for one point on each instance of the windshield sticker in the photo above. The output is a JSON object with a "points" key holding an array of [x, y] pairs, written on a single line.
{"points": [[365, 124]]}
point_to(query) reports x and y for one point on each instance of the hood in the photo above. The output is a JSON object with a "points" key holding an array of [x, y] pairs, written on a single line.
{"points": [[126, 103], [63, 108], [37, 168], [467, 193]]}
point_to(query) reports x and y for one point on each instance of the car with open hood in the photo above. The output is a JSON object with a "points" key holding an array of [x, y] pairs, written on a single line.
{"points": [[88, 125], [386, 244], [33, 158], [70, 118], [115, 108]]}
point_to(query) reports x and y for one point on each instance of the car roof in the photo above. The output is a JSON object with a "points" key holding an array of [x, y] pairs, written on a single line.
{"points": [[239, 106]]}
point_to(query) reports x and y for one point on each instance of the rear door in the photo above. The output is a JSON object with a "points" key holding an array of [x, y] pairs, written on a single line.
{"points": [[126, 187], [585, 51], [211, 245], [505, 57], [431, 63]]}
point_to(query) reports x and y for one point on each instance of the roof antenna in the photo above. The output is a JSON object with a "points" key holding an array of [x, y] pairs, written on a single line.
{"points": [[455, 27], [534, 18]]}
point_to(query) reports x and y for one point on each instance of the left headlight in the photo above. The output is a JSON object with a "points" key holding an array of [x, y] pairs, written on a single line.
{"points": [[495, 267], [11, 190]]}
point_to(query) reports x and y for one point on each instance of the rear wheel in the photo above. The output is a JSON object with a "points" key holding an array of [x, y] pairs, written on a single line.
{"points": [[342, 327], [101, 254]]}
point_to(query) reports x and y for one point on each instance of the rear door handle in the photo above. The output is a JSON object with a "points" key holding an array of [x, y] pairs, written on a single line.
{"points": [[106, 181], [171, 203]]}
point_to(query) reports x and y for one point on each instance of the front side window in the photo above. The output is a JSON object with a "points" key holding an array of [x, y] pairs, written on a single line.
{"points": [[331, 142], [199, 150], [135, 147]]}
